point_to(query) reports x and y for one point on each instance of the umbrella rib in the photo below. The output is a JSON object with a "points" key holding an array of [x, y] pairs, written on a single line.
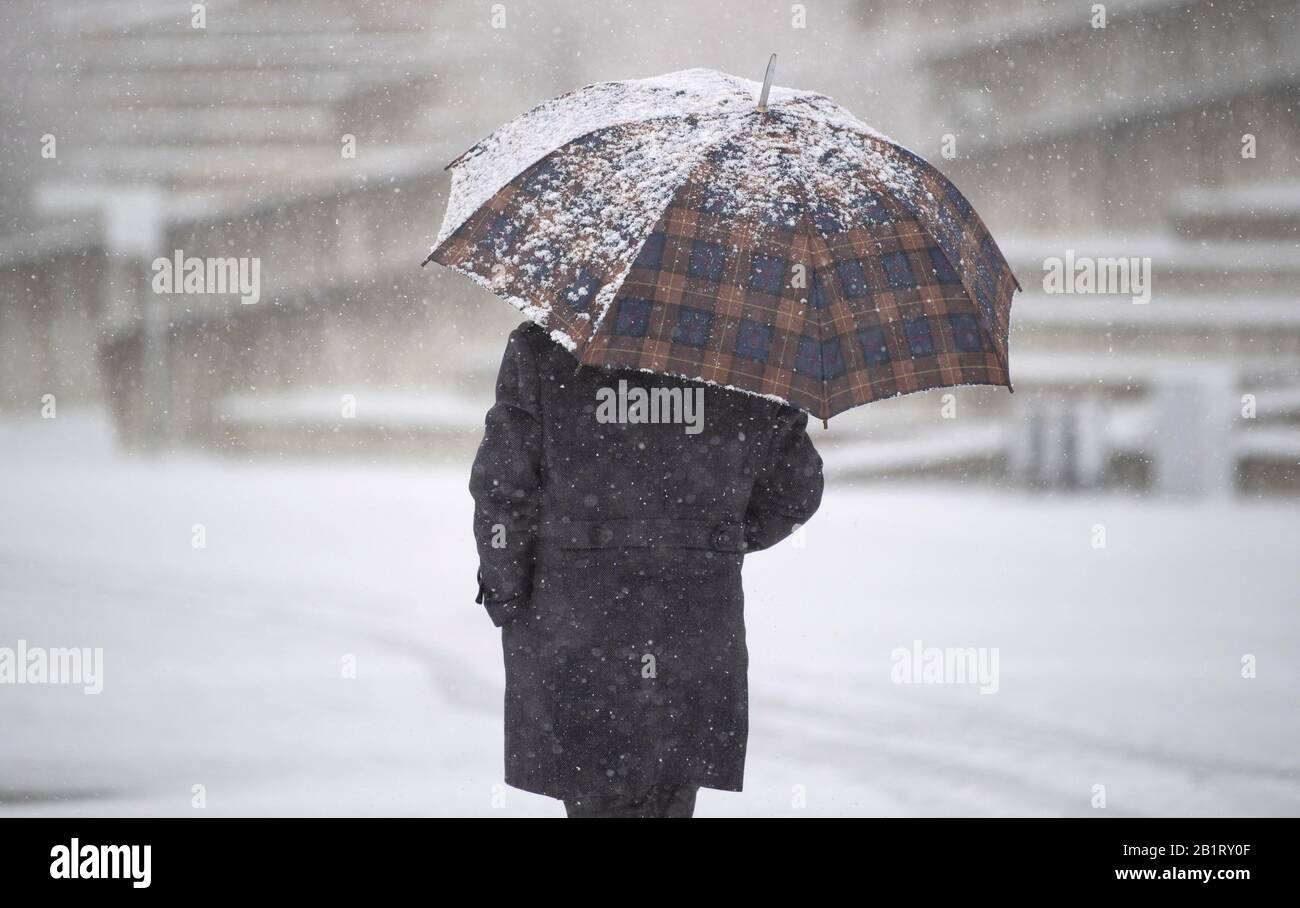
{"points": [[927, 221], [547, 154], [932, 230], [672, 197], [536, 107], [809, 235]]}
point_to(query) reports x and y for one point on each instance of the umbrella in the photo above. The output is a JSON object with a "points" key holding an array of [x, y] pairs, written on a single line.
{"points": [[754, 237]]}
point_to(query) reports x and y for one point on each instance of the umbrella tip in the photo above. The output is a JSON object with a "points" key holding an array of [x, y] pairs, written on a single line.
{"points": [[767, 83]]}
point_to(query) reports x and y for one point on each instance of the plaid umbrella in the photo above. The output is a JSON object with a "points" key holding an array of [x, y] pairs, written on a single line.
{"points": [[782, 248]]}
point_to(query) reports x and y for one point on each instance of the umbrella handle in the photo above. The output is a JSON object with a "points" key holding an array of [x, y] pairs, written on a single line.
{"points": [[767, 83]]}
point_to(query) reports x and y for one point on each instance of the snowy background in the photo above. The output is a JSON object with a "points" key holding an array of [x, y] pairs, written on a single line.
{"points": [[1174, 426], [1117, 667]]}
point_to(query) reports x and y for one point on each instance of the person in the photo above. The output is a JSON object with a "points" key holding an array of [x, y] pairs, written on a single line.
{"points": [[610, 538]]}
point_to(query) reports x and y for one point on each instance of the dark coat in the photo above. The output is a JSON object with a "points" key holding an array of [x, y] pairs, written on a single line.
{"points": [[610, 553]]}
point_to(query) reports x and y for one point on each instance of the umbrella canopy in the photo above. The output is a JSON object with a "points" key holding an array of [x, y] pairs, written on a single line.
{"points": [[786, 249]]}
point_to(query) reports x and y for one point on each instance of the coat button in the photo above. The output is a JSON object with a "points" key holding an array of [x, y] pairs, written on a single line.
{"points": [[601, 535], [724, 538]]}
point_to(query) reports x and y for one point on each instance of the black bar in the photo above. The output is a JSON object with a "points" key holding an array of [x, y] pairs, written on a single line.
{"points": [[331, 857]]}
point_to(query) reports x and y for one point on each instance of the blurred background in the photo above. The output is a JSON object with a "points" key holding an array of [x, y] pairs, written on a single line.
{"points": [[233, 500]]}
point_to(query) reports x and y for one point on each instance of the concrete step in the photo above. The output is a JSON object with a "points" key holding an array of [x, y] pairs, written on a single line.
{"points": [[149, 126], [214, 52], [209, 88], [112, 17], [1181, 265], [1252, 212]]}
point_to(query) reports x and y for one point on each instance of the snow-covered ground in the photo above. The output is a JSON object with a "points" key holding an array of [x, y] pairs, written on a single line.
{"points": [[1118, 666]]}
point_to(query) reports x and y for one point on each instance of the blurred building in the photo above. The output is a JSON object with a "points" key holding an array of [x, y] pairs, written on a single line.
{"points": [[303, 134]]}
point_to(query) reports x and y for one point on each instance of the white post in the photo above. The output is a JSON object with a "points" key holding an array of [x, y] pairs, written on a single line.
{"points": [[134, 222], [1192, 455]]}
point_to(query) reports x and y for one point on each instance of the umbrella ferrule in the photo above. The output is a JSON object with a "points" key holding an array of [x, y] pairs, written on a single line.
{"points": [[767, 83]]}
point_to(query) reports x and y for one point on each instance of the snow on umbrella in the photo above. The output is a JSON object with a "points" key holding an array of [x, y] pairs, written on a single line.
{"points": [[782, 248]]}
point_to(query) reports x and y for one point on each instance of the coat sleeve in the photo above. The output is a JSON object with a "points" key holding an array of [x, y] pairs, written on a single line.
{"points": [[506, 482], [788, 486]]}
